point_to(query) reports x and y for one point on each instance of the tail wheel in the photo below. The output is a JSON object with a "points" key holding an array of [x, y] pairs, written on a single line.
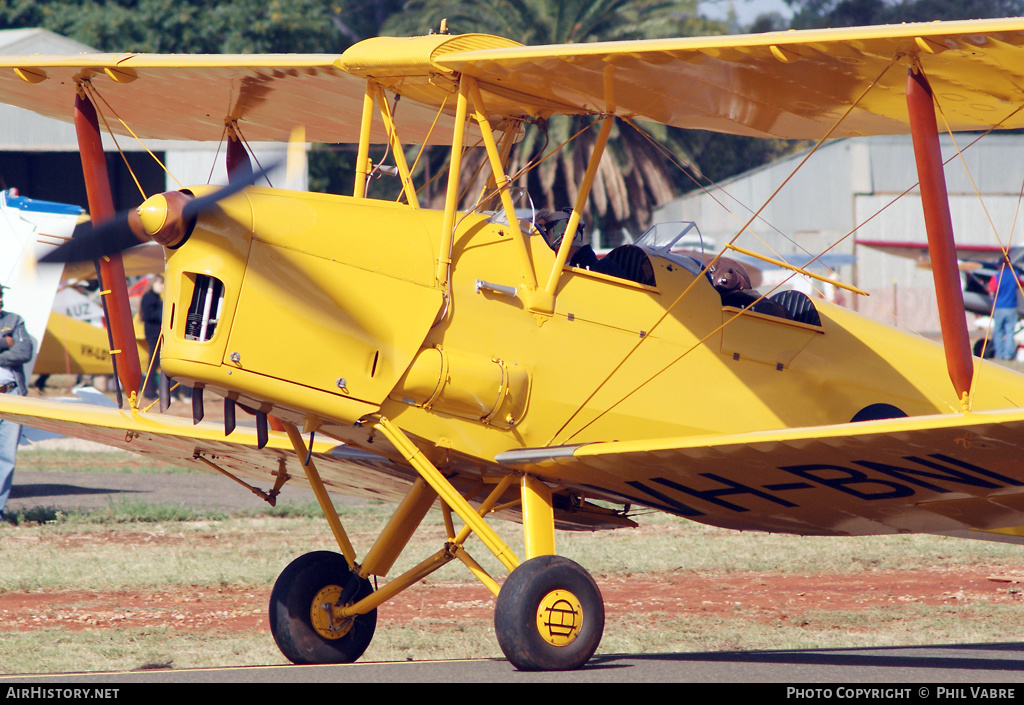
{"points": [[301, 618], [549, 615]]}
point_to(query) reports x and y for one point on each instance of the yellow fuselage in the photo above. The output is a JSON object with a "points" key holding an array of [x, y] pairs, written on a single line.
{"points": [[331, 313]]}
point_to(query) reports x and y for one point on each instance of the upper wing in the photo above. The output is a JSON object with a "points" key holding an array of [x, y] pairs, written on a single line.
{"points": [[937, 474], [779, 84], [189, 97], [343, 470]]}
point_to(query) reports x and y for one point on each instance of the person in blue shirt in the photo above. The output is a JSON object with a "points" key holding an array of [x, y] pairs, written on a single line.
{"points": [[1004, 316]]}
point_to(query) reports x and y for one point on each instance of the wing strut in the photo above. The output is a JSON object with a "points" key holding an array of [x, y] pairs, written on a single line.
{"points": [[939, 225], [101, 208], [238, 164]]}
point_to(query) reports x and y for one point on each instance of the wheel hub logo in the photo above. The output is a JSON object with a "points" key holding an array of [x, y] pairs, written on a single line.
{"points": [[559, 618]]}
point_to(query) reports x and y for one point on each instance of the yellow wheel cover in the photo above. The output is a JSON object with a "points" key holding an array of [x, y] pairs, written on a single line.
{"points": [[559, 618], [321, 614]]}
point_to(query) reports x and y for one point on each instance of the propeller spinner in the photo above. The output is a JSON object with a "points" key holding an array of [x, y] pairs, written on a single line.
{"points": [[166, 218]]}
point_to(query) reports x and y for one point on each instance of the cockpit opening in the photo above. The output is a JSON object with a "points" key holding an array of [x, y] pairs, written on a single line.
{"points": [[682, 244]]}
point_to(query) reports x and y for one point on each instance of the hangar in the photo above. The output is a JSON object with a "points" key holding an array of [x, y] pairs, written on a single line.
{"points": [[850, 192]]}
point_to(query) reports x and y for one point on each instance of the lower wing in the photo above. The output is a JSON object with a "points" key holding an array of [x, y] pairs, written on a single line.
{"points": [[954, 475], [172, 439]]}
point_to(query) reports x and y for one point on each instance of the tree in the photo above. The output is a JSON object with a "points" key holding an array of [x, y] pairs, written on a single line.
{"points": [[635, 176], [195, 26], [214, 27], [851, 13]]}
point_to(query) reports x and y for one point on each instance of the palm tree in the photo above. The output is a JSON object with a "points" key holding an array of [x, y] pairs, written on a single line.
{"points": [[635, 175]]}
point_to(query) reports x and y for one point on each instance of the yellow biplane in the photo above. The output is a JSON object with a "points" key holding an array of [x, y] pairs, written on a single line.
{"points": [[464, 361]]}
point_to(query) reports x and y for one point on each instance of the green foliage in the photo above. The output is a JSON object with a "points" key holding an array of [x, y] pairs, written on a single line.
{"points": [[134, 511], [553, 22], [122, 512], [35, 515], [202, 26], [331, 168], [852, 13], [641, 175]]}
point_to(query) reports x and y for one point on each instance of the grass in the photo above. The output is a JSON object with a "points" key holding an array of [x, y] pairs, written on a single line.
{"points": [[128, 511], [87, 550], [56, 650], [132, 545], [39, 460]]}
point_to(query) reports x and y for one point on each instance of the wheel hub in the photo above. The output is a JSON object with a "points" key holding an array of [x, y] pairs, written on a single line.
{"points": [[559, 617], [322, 614]]}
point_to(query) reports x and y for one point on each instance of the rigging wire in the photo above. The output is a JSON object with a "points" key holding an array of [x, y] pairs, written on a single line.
{"points": [[907, 369], [93, 91], [995, 231], [689, 287]]}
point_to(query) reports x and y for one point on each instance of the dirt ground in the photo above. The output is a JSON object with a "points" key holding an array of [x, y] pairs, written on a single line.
{"points": [[766, 598]]}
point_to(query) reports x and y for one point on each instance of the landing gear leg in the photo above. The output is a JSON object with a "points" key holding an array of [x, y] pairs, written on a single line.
{"points": [[302, 614], [549, 615]]}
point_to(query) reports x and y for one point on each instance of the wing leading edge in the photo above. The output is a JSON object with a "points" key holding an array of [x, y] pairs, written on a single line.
{"points": [[939, 474]]}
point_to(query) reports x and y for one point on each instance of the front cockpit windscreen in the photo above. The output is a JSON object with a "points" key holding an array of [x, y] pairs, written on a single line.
{"points": [[661, 239]]}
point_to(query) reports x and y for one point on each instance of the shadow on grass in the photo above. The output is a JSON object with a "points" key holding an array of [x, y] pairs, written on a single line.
{"points": [[126, 511]]}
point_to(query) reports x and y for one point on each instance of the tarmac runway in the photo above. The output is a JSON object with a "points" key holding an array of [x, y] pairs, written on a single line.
{"points": [[917, 673], [86, 490], [79, 490]]}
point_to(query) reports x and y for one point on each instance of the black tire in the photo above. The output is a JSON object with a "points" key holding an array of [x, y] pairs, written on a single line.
{"points": [[989, 349], [525, 606], [292, 600]]}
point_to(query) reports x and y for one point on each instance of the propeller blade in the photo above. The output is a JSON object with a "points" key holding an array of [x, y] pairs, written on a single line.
{"points": [[91, 241], [124, 230], [239, 182]]}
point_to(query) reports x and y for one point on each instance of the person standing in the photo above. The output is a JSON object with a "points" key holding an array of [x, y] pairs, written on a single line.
{"points": [[151, 309], [1004, 315], [15, 350]]}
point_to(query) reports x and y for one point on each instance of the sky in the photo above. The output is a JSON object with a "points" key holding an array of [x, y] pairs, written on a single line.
{"points": [[746, 10]]}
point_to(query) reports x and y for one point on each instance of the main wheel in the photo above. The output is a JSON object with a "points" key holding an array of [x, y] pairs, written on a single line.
{"points": [[980, 347], [549, 615], [300, 611]]}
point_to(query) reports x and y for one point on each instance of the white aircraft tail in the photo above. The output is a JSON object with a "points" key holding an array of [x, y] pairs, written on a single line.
{"points": [[29, 229]]}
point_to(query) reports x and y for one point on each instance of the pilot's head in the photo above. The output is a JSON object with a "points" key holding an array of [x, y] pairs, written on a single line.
{"points": [[552, 225]]}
